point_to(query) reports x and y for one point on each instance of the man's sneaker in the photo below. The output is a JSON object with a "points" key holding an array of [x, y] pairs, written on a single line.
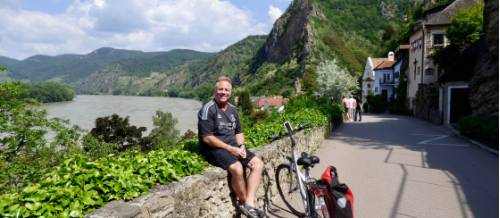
{"points": [[250, 211]]}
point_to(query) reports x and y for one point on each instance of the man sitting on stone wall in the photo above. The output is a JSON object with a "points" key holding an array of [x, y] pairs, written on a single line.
{"points": [[222, 143]]}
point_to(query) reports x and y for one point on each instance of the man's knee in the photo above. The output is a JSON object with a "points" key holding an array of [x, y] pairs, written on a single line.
{"points": [[257, 164], [236, 169]]}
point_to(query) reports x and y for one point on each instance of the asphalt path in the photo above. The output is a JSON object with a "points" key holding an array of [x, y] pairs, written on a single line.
{"points": [[399, 166]]}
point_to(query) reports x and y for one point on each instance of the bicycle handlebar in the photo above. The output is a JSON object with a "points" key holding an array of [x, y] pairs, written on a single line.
{"points": [[301, 126]]}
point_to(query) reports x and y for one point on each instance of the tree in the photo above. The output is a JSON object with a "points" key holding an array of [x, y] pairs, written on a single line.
{"points": [[164, 134], [51, 92], [117, 130], [245, 103], [25, 152], [334, 81], [309, 81], [466, 27]]}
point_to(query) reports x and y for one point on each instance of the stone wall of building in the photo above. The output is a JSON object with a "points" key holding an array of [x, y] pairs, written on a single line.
{"points": [[427, 103], [208, 195]]}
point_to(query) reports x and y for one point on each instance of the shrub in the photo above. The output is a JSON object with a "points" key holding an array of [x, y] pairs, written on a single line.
{"points": [[376, 103], [117, 130], [334, 81], [96, 149], [484, 130], [259, 116]]}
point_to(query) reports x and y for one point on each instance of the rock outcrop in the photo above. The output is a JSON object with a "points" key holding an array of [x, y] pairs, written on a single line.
{"points": [[291, 36], [484, 83]]}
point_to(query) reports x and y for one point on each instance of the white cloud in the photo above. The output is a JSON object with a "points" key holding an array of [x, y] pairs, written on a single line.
{"points": [[274, 12], [206, 25]]}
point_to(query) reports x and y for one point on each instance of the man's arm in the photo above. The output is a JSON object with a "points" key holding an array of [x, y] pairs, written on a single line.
{"points": [[240, 138], [217, 143]]}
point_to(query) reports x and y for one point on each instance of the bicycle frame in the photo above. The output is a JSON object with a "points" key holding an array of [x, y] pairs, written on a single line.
{"points": [[301, 178]]}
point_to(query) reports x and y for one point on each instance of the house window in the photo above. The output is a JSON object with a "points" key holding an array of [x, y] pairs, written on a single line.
{"points": [[438, 40], [429, 71], [368, 85]]}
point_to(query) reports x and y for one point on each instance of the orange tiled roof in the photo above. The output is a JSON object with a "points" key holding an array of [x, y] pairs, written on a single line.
{"points": [[272, 101], [382, 63], [404, 46]]}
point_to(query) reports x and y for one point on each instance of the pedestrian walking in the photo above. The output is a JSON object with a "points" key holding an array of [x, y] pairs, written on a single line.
{"points": [[352, 107], [358, 110], [346, 104]]}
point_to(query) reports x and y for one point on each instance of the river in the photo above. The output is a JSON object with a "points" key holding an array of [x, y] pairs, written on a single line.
{"points": [[84, 109]]}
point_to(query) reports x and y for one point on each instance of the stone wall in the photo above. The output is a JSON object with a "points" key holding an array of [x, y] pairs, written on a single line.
{"points": [[208, 195]]}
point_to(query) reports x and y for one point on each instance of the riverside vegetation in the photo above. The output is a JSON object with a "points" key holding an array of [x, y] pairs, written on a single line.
{"points": [[71, 178]]}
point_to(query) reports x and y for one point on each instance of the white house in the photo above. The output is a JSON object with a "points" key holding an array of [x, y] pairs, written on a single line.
{"points": [[379, 78]]}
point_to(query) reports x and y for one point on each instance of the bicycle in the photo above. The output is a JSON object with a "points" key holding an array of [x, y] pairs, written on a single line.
{"points": [[302, 194]]}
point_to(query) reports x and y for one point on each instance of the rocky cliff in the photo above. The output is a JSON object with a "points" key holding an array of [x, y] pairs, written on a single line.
{"points": [[291, 36], [484, 83]]}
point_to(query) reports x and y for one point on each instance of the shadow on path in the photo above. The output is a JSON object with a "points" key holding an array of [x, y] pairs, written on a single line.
{"points": [[472, 171]]}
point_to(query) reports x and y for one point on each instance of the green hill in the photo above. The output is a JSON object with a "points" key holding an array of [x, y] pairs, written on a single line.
{"points": [[70, 67], [309, 32]]}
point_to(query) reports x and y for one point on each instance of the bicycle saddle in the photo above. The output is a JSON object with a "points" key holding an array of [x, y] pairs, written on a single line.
{"points": [[307, 161]]}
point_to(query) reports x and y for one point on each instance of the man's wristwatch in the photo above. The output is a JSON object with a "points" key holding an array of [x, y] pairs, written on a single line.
{"points": [[241, 145]]}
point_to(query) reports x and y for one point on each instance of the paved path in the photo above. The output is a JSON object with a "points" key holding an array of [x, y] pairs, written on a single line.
{"points": [[403, 167]]}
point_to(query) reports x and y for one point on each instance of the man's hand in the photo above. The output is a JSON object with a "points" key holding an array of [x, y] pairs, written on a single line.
{"points": [[238, 152], [243, 153]]}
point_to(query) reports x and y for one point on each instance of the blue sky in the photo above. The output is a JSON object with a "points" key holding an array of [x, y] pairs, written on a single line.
{"points": [[56, 27]]}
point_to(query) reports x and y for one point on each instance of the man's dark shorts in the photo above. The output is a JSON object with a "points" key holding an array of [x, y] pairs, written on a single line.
{"points": [[223, 159]]}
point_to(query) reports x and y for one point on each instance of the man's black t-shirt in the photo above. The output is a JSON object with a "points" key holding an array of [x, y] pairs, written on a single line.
{"points": [[223, 125]]}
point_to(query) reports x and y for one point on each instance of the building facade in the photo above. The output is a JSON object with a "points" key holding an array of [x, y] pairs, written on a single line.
{"points": [[379, 77], [429, 34]]}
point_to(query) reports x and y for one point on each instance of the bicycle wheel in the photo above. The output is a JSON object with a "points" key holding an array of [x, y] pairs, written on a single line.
{"points": [[289, 190]]}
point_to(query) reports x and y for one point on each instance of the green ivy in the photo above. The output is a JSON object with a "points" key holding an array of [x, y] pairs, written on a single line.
{"points": [[78, 186]]}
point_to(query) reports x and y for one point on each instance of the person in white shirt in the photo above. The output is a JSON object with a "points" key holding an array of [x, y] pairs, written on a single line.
{"points": [[352, 107]]}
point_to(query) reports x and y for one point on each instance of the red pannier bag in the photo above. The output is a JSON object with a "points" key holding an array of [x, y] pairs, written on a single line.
{"points": [[340, 201]]}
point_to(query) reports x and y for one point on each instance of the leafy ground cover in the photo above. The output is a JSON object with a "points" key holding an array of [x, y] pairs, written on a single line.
{"points": [[81, 184], [78, 185]]}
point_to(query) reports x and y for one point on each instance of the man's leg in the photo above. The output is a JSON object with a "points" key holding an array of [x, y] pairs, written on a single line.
{"points": [[256, 167], [238, 181]]}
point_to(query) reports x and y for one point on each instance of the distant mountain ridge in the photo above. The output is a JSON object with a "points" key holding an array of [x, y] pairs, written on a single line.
{"points": [[72, 67], [308, 33]]}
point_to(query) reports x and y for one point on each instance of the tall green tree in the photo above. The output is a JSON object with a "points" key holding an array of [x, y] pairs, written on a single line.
{"points": [[164, 134], [245, 103]]}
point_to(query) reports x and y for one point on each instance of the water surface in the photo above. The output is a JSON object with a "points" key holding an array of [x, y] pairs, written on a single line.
{"points": [[84, 109]]}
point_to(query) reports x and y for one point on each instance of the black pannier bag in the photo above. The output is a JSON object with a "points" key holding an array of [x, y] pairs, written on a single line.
{"points": [[340, 199]]}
